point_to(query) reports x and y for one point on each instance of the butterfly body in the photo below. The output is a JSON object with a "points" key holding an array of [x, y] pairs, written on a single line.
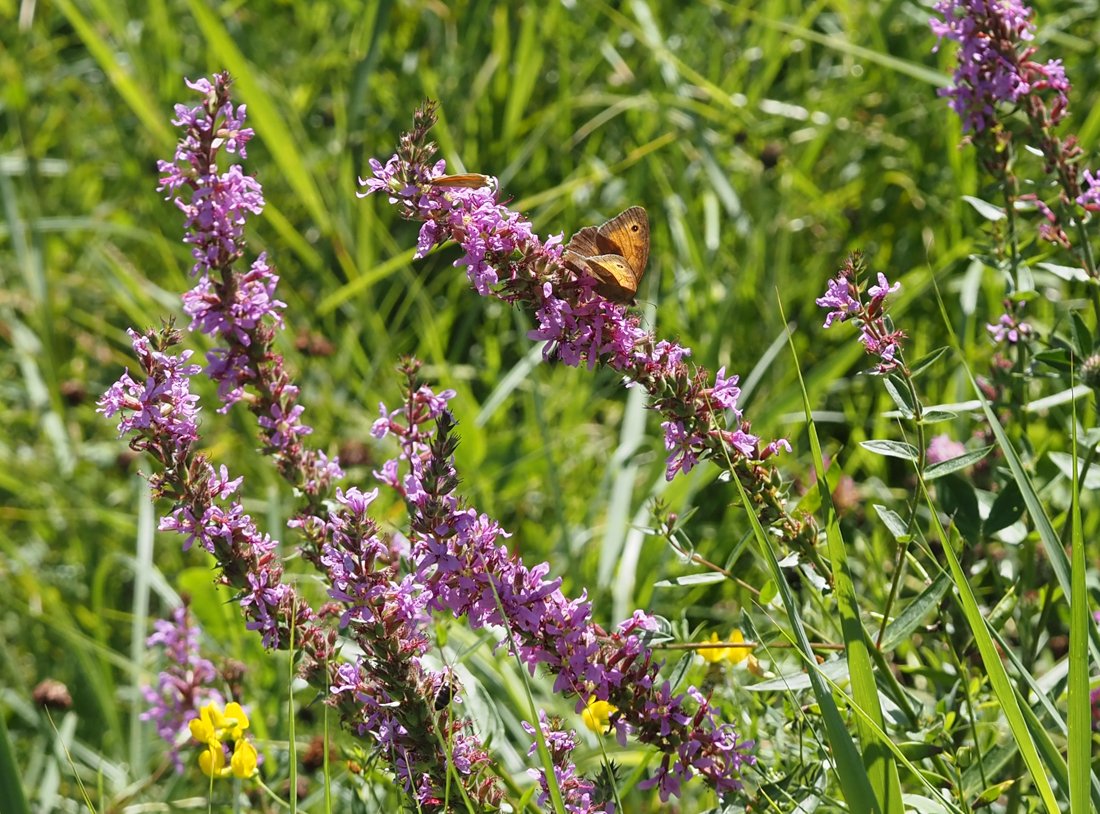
{"points": [[614, 253]]}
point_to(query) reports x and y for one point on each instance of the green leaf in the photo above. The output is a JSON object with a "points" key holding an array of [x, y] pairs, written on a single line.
{"points": [[938, 470], [903, 625], [918, 367], [1064, 463], [1007, 508], [987, 210], [898, 392], [11, 785], [935, 416], [958, 500], [705, 578], [892, 449], [1081, 334], [1068, 273], [1059, 358], [893, 522]]}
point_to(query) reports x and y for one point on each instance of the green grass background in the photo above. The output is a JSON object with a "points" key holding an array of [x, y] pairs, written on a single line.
{"points": [[765, 139]]}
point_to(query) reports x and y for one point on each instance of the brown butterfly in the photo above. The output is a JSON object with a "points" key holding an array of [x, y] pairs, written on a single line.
{"points": [[469, 180], [615, 253]]}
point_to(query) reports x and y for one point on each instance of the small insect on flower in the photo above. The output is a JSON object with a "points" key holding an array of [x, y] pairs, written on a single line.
{"points": [[469, 180], [614, 253]]}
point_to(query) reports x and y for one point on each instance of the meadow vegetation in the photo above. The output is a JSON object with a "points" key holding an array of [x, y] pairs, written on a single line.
{"points": [[919, 626]]}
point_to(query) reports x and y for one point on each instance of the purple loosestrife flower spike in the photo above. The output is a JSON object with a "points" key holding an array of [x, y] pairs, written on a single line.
{"points": [[579, 794], [994, 65], [183, 686], [387, 694], [239, 308], [466, 571], [844, 301], [505, 259]]}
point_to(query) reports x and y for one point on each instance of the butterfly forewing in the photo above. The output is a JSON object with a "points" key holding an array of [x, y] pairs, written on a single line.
{"points": [[584, 242], [470, 180], [627, 235]]}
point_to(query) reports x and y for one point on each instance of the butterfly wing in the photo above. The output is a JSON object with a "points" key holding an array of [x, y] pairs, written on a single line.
{"points": [[617, 280], [627, 235], [584, 243], [615, 254], [471, 180]]}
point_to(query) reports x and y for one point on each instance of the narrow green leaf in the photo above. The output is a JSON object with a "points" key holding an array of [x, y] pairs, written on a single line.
{"points": [[935, 416], [893, 521], [1080, 706], [987, 210], [900, 396], [995, 669], [1071, 274], [903, 625], [1081, 334], [921, 365], [892, 449], [938, 470], [706, 578], [11, 784], [1068, 464]]}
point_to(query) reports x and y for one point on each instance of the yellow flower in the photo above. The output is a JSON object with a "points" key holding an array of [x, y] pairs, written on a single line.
{"points": [[211, 728], [736, 655], [212, 760], [597, 715], [713, 654], [235, 721], [243, 762], [204, 729]]}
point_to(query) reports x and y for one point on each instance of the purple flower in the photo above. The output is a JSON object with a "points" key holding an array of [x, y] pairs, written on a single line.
{"points": [[1009, 328], [994, 65], [163, 403], [838, 298], [579, 794], [465, 570], [844, 300], [1090, 197], [184, 686], [239, 309]]}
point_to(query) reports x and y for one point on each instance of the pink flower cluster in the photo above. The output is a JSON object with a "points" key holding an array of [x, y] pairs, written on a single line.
{"points": [[844, 300], [994, 65], [239, 309], [465, 571]]}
